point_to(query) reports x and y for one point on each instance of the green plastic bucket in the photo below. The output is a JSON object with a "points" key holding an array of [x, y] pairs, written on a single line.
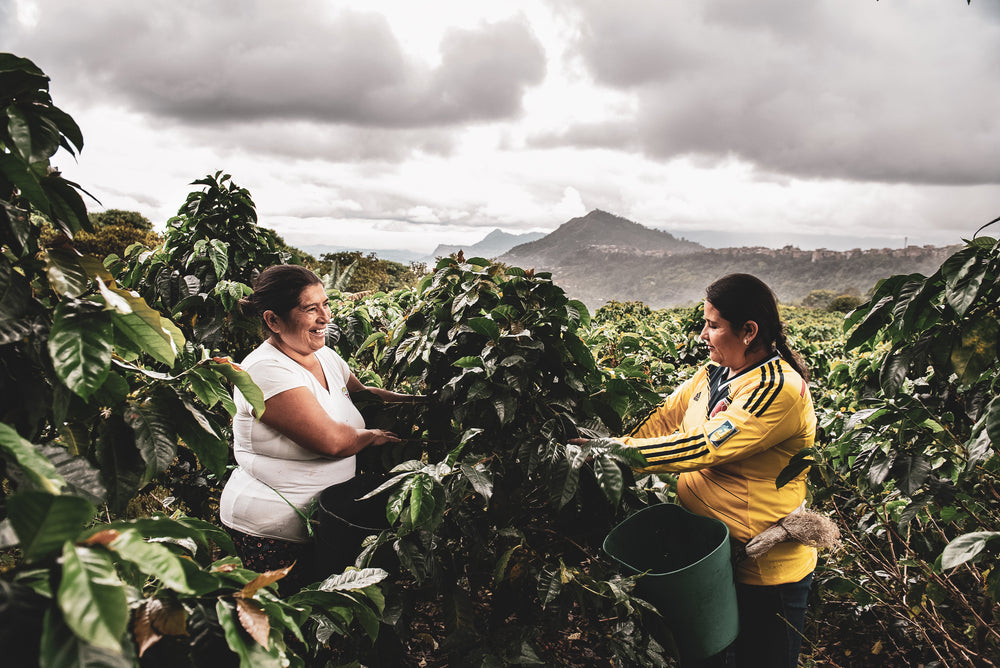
{"points": [[688, 574]]}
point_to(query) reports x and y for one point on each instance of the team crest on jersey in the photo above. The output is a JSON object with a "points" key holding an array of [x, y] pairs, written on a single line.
{"points": [[719, 407], [697, 396], [722, 433], [345, 392]]}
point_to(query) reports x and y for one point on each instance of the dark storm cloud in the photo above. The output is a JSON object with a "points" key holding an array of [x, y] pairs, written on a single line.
{"points": [[892, 92], [239, 61]]}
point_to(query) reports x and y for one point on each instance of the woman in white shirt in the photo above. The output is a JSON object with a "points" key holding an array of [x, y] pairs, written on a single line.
{"points": [[308, 435]]}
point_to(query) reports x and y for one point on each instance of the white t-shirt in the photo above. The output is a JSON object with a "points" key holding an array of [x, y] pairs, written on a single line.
{"points": [[269, 462]]}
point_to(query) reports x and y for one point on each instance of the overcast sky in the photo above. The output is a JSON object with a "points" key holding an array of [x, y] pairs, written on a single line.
{"points": [[405, 123]]}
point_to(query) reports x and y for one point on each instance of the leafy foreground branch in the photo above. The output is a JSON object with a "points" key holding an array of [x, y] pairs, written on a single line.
{"points": [[99, 391], [910, 466]]}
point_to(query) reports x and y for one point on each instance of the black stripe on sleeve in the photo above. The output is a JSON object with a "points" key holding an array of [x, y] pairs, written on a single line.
{"points": [[753, 395], [674, 451], [769, 389], [772, 395], [645, 418]]}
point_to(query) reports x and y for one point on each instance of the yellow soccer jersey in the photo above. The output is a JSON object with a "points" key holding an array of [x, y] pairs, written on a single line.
{"points": [[729, 438]]}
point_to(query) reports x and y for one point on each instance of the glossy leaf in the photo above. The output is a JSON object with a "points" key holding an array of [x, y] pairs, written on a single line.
{"points": [[155, 436], [479, 477], [25, 180], [91, 596], [61, 648], [158, 561], [81, 477], [966, 547], [963, 277], [241, 379], [67, 277], [485, 326], [977, 349], [38, 469], [141, 324], [80, 347], [895, 369], [44, 522], [609, 478]]}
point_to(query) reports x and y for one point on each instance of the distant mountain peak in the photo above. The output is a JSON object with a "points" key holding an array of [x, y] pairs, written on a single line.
{"points": [[599, 231], [494, 244]]}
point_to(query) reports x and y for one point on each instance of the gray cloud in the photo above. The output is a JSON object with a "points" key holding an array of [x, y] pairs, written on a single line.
{"points": [[881, 93], [243, 61]]}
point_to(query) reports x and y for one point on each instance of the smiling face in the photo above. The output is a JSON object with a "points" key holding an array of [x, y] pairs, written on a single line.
{"points": [[727, 346], [303, 331]]}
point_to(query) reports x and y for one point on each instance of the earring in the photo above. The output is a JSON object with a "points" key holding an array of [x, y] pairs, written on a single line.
{"points": [[746, 342]]}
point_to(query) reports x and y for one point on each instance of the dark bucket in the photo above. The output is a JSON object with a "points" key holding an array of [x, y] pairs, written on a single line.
{"points": [[688, 574], [345, 520]]}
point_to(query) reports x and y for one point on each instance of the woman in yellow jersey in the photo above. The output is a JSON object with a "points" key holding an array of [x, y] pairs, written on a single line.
{"points": [[729, 431]]}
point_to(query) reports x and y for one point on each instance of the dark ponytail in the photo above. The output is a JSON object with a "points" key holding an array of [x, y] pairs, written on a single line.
{"points": [[740, 298], [277, 289]]}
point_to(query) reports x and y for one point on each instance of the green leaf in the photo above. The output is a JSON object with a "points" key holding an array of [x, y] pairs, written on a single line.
{"points": [[193, 426], [60, 647], [479, 477], [156, 560], [352, 580], [976, 350], [993, 421], [913, 471], [241, 379], [91, 596], [581, 353], [82, 478], [15, 297], [25, 456], [468, 362], [67, 277], [798, 463], [549, 586], [67, 208], [894, 370], [962, 279], [155, 437], [141, 324], [80, 347], [43, 522], [569, 477], [422, 503], [609, 478], [219, 254], [966, 547], [578, 312], [205, 384], [486, 327], [874, 319], [18, 173]]}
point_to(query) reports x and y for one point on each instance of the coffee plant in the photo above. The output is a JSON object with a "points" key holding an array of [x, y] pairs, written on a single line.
{"points": [[909, 465], [99, 391], [496, 518]]}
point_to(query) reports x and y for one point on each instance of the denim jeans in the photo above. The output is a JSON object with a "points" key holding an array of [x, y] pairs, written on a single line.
{"points": [[772, 619]]}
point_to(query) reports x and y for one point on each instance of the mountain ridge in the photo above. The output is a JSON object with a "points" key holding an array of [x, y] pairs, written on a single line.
{"points": [[601, 257], [492, 245]]}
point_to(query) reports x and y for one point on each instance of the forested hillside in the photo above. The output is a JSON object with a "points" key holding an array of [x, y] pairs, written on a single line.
{"points": [[602, 257]]}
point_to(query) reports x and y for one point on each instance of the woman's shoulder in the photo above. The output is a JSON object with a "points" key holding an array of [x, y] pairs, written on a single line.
{"points": [[264, 352], [774, 374]]}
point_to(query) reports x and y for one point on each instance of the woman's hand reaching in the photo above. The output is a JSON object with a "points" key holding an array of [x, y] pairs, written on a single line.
{"points": [[381, 437]]}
